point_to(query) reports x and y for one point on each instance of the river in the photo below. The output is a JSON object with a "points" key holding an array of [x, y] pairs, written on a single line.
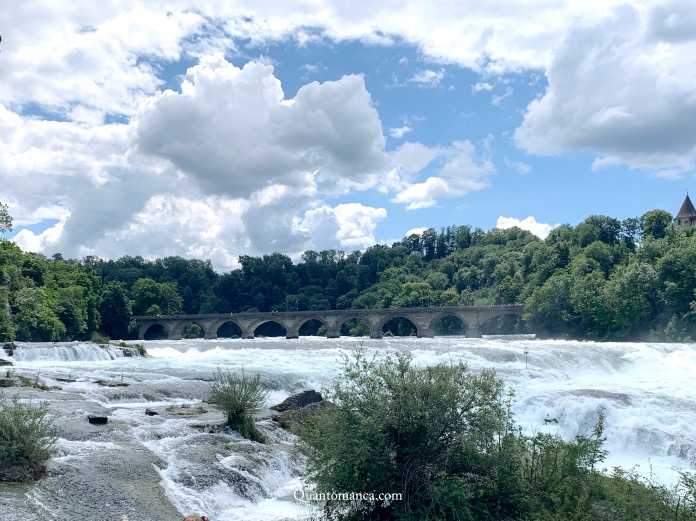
{"points": [[645, 390]]}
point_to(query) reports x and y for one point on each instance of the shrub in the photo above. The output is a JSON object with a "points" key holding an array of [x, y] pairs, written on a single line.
{"points": [[98, 338], [395, 428], [443, 438], [239, 397], [27, 439]]}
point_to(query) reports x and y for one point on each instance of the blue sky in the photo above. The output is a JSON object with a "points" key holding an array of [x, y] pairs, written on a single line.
{"points": [[145, 128]]}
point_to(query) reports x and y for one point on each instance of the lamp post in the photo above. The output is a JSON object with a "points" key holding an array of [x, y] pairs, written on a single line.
{"points": [[526, 353]]}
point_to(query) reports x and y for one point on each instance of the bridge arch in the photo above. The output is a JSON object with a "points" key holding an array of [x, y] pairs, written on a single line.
{"points": [[438, 318], [154, 331], [227, 328], [177, 329]]}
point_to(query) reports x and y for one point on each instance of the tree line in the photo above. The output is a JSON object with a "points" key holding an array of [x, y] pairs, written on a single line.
{"points": [[603, 279]]}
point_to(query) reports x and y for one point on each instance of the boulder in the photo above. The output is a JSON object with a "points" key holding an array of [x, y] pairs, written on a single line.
{"points": [[150, 412], [4, 362], [97, 420], [111, 383], [298, 401], [9, 348], [288, 419]]}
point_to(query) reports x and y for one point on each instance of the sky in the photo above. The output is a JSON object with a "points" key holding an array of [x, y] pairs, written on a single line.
{"points": [[223, 128]]}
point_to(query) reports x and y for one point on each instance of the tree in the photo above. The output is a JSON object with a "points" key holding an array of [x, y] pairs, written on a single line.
{"points": [[549, 309], [34, 317], [115, 309], [5, 219], [656, 224], [152, 298]]}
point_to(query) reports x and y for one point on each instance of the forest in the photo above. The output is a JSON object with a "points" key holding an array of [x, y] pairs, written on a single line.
{"points": [[603, 279]]}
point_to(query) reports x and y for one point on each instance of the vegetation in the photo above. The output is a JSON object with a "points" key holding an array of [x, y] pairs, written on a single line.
{"points": [[443, 437], [603, 279], [27, 439], [98, 338], [239, 397]]}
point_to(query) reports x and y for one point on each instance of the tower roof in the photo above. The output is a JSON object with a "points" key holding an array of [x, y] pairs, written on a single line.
{"points": [[687, 209]]}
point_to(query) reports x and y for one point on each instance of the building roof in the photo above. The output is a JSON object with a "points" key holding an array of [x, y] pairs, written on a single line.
{"points": [[687, 209]]}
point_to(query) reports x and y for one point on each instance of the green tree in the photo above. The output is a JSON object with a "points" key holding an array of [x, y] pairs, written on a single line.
{"points": [[7, 327], [151, 298], [656, 224], [34, 317], [115, 309], [549, 308], [5, 219]]}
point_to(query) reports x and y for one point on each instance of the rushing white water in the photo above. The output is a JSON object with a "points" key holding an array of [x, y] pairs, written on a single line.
{"points": [[645, 390]]}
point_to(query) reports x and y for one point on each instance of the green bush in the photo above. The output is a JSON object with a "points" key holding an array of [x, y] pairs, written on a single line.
{"points": [[27, 439], [443, 437], [395, 428], [98, 338], [239, 397]]}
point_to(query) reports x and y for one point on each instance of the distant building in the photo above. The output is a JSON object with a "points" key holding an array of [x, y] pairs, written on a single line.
{"points": [[687, 214]]}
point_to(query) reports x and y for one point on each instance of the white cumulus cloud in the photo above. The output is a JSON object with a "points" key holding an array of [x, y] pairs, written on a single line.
{"points": [[530, 224], [623, 87]]}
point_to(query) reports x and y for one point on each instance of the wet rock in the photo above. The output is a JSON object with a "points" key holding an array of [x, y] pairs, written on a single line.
{"points": [[97, 420], [150, 412], [111, 383], [17, 472], [5, 362], [9, 348], [288, 419], [298, 401]]}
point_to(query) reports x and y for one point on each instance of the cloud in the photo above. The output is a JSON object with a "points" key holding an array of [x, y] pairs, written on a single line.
{"points": [[461, 174], [622, 87], [541, 230], [232, 131], [399, 132], [352, 225], [427, 78], [480, 87], [518, 166]]}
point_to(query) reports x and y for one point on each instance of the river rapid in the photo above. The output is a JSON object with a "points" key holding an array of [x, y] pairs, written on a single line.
{"points": [[646, 391]]}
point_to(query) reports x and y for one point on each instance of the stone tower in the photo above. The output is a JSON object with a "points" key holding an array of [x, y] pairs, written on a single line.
{"points": [[687, 214]]}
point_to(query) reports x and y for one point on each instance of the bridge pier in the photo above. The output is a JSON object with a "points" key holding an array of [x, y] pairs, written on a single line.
{"points": [[290, 334], [473, 332], [376, 333], [210, 336], [423, 332]]}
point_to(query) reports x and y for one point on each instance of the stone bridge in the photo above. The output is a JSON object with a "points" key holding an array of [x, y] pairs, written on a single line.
{"points": [[424, 319]]}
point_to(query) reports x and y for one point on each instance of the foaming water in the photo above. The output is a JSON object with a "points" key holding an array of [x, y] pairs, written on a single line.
{"points": [[645, 391]]}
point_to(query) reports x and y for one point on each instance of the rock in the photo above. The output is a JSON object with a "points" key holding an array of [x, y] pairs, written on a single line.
{"points": [[111, 383], [5, 362], [6, 382], [288, 419], [17, 472], [150, 412], [9, 348], [97, 420], [298, 401]]}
